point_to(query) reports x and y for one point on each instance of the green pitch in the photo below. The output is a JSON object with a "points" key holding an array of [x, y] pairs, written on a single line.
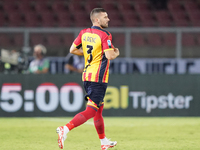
{"points": [[130, 133]]}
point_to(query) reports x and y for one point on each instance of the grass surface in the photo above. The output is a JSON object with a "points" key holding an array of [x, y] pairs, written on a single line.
{"points": [[130, 133]]}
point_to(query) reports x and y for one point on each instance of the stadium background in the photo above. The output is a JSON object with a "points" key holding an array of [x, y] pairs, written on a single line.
{"points": [[148, 34], [123, 13]]}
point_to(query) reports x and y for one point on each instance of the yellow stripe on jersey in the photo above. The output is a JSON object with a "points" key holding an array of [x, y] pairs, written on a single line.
{"points": [[108, 49]]}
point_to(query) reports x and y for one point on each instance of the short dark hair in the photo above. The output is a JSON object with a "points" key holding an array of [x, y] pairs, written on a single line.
{"points": [[96, 10]]}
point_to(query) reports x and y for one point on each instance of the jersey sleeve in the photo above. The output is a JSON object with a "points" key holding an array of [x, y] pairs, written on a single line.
{"points": [[77, 42], [107, 43]]}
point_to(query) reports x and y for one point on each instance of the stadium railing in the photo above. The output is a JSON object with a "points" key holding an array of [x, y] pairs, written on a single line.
{"points": [[182, 47], [179, 31]]}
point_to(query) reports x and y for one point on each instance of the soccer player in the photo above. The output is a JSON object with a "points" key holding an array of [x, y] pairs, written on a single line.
{"points": [[95, 44]]}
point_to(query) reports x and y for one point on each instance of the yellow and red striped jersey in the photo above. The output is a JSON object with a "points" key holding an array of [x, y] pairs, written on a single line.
{"points": [[94, 42]]}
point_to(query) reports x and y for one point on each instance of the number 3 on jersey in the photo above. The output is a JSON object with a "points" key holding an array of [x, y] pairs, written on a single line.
{"points": [[89, 51]]}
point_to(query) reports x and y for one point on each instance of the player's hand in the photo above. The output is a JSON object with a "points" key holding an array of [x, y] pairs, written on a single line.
{"points": [[80, 70], [116, 50]]}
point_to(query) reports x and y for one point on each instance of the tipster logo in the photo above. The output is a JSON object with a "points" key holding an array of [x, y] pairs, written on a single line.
{"points": [[150, 102], [122, 98]]}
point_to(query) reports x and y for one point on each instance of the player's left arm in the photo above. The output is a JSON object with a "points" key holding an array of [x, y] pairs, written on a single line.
{"points": [[75, 50], [112, 54], [110, 51]]}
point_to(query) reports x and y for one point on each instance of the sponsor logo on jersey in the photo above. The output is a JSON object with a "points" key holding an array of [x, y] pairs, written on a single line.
{"points": [[109, 42]]}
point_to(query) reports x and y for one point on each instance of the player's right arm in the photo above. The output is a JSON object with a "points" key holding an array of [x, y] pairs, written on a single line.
{"points": [[76, 47], [75, 50], [112, 54]]}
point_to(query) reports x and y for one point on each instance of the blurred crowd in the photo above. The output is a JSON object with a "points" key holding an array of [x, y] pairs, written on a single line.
{"points": [[12, 62]]}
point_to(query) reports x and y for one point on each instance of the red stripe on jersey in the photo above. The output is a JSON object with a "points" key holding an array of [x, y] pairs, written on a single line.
{"points": [[107, 67], [89, 76], [97, 75], [84, 75]]}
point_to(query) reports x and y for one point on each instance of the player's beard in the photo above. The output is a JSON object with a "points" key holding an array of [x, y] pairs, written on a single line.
{"points": [[104, 25]]}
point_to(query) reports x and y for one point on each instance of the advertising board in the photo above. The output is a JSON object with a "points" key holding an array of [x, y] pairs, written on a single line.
{"points": [[126, 95]]}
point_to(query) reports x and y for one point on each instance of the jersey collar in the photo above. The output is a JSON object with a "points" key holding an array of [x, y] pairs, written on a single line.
{"points": [[96, 27]]}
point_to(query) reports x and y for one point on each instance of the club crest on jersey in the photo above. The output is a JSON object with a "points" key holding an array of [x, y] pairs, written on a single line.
{"points": [[109, 42]]}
